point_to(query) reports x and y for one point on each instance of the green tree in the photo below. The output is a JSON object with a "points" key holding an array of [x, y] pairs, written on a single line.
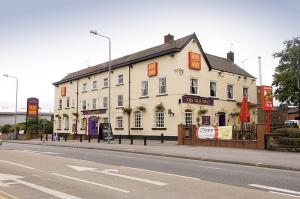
{"points": [[285, 76]]}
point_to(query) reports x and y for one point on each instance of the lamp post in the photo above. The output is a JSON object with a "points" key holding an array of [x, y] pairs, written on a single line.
{"points": [[16, 108], [109, 77]]}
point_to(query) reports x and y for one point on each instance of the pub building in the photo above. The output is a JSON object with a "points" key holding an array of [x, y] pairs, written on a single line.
{"points": [[155, 90]]}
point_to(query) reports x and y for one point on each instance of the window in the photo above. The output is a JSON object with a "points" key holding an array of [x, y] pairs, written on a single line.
{"points": [[144, 88], [188, 117], [229, 91], [137, 119], [105, 120], [213, 89], [160, 119], [245, 91], [105, 102], [83, 123], [84, 87], [120, 100], [84, 105], [194, 86], [95, 85], [105, 82], [66, 123], [162, 85], [120, 79], [94, 104], [60, 103], [68, 102], [119, 122], [59, 123]]}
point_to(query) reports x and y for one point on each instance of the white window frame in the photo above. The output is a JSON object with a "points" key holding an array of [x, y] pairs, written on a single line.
{"points": [[159, 119], [137, 119], [188, 117], [144, 89], [95, 85], [84, 105], [94, 104], [215, 88], [119, 122], [105, 120], [84, 87], [60, 104], [68, 102], [105, 82], [120, 77], [247, 88], [161, 86], [67, 123], [120, 100], [105, 102], [83, 123], [59, 123], [73, 103], [193, 87], [228, 91]]}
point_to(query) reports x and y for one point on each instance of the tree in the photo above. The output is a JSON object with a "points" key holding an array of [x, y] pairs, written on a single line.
{"points": [[285, 76]]}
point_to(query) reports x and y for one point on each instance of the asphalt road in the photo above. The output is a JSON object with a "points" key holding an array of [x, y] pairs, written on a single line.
{"points": [[138, 176]]}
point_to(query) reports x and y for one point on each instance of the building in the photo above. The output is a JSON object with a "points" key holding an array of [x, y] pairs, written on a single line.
{"points": [[9, 117], [155, 90]]}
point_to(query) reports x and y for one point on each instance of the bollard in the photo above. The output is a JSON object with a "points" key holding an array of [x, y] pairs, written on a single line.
{"points": [[41, 137], [52, 137], [89, 138], [120, 139], [80, 138], [162, 138], [65, 138], [98, 138], [131, 140], [46, 137], [58, 137], [145, 141]]}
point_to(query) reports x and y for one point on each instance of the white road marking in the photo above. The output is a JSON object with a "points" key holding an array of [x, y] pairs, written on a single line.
{"points": [[284, 194], [41, 152], [113, 172], [20, 165], [51, 153], [170, 174], [275, 189], [90, 182]]}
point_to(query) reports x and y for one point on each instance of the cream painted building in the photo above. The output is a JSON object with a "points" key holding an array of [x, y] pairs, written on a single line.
{"points": [[154, 90]]}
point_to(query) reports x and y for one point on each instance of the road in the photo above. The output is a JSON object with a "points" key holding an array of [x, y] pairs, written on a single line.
{"points": [[35, 171]]}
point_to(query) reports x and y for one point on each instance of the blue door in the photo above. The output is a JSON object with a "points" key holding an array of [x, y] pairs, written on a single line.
{"points": [[93, 125], [222, 119]]}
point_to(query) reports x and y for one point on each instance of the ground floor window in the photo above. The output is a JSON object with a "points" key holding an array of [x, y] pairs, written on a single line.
{"points": [[137, 119], [67, 122], [188, 117], [59, 123], [160, 119], [83, 123], [105, 120], [119, 122]]}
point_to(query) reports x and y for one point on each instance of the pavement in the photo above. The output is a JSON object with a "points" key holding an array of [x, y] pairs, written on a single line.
{"points": [[249, 157]]}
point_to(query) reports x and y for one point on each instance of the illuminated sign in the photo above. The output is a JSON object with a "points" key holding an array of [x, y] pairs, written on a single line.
{"points": [[32, 107], [266, 98], [194, 61], [152, 69], [63, 91]]}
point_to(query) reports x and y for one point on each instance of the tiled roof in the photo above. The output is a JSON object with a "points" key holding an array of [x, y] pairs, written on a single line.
{"points": [[213, 62]]}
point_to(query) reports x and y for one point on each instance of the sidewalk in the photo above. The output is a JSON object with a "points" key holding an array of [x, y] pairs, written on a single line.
{"points": [[259, 158]]}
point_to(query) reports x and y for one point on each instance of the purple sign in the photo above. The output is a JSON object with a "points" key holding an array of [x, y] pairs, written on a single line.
{"points": [[197, 100]]}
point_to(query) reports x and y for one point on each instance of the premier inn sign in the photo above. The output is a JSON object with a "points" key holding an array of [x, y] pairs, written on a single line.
{"points": [[197, 100]]}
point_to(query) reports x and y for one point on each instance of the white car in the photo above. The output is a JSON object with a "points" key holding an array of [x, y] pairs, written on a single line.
{"points": [[292, 123]]}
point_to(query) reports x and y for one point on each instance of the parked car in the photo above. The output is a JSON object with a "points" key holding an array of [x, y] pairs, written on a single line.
{"points": [[292, 123]]}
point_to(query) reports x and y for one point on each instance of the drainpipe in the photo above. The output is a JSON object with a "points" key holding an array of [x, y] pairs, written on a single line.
{"points": [[77, 115], [129, 80]]}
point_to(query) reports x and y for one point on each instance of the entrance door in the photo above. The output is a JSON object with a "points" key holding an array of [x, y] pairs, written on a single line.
{"points": [[93, 125], [222, 120]]}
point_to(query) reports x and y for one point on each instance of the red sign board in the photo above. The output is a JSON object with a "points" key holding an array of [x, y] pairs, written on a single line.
{"points": [[152, 69], [194, 61], [266, 98], [32, 107]]}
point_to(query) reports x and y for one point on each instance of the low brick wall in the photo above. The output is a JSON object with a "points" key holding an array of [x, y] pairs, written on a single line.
{"points": [[193, 140]]}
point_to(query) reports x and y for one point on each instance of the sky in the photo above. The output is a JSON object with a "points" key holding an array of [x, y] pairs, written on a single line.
{"points": [[43, 41]]}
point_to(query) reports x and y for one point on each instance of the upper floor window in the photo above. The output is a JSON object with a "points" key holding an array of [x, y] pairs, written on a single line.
{"points": [[95, 85], [213, 89], [229, 91], [120, 100], [194, 86], [84, 87], [94, 104], [137, 119], [84, 105], [144, 88], [245, 91], [73, 103], [105, 82], [162, 85], [105, 99], [68, 103], [120, 79], [160, 119], [60, 103]]}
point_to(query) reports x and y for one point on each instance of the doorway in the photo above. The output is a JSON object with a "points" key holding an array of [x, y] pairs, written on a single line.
{"points": [[222, 119], [93, 125]]}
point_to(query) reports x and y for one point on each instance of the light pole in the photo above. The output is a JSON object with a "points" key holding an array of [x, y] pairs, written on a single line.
{"points": [[5, 75], [109, 77]]}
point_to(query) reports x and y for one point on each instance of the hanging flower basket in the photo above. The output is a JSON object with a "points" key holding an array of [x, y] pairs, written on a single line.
{"points": [[234, 114], [57, 115], [65, 115], [75, 114], [141, 108], [202, 111], [160, 107], [127, 110]]}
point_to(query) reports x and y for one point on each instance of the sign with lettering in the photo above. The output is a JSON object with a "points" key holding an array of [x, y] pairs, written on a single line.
{"points": [[194, 61], [63, 91], [225, 132], [197, 100], [152, 69], [205, 120], [266, 98], [209, 132], [32, 108], [97, 111], [103, 131]]}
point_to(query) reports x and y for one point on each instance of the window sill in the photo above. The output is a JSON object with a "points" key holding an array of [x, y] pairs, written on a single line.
{"points": [[72, 107], [120, 84], [144, 97], [231, 100], [66, 129], [136, 128], [59, 109], [84, 92], [94, 89], [119, 107], [67, 108], [82, 129], [119, 128], [212, 97], [58, 129], [159, 95], [105, 87], [159, 128]]}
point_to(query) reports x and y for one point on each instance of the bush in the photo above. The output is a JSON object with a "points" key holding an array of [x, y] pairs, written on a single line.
{"points": [[5, 128], [289, 141], [287, 131]]}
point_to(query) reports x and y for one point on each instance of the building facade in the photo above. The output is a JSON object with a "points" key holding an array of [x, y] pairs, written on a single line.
{"points": [[155, 90], [9, 117]]}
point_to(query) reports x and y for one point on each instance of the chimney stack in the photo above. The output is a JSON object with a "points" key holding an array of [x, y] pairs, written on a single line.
{"points": [[230, 56], [169, 38]]}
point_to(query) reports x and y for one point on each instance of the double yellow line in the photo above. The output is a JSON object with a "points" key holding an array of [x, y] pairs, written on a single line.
{"points": [[5, 195]]}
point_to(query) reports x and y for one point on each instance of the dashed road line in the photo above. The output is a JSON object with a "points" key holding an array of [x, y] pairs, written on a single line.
{"points": [[284, 194], [20, 165]]}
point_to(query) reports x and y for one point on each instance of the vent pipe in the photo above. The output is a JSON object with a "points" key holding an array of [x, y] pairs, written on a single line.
{"points": [[259, 70]]}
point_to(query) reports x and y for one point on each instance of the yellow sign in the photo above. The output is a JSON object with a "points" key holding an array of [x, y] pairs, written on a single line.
{"points": [[152, 69], [194, 61], [225, 132], [32, 109]]}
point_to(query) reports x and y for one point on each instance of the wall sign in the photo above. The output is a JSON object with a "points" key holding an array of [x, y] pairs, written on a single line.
{"points": [[97, 111], [205, 120], [197, 100], [152, 69], [266, 98], [194, 61], [32, 108], [63, 91]]}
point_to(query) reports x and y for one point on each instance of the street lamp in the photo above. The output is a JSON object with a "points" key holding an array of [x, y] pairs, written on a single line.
{"points": [[109, 77], [5, 75]]}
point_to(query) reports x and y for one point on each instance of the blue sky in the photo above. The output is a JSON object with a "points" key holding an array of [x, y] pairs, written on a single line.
{"points": [[42, 41]]}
